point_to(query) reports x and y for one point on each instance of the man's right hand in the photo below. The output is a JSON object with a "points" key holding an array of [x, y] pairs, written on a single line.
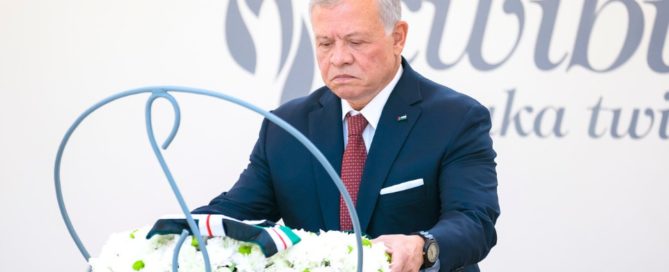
{"points": [[406, 251]]}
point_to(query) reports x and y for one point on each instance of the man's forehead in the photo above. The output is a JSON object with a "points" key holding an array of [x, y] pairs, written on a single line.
{"points": [[330, 34]]}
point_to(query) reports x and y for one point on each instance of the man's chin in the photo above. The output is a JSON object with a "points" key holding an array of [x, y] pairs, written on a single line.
{"points": [[349, 94], [345, 92]]}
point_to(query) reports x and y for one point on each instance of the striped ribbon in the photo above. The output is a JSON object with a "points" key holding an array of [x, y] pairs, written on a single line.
{"points": [[270, 237]]}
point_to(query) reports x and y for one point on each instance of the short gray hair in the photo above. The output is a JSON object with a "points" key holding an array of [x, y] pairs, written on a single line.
{"points": [[390, 11]]}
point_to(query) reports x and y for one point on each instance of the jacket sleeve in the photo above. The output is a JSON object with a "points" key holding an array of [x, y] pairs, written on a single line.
{"points": [[465, 231], [252, 196]]}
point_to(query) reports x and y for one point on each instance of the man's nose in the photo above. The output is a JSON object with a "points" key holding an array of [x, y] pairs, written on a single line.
{"points": [[341, 55]]}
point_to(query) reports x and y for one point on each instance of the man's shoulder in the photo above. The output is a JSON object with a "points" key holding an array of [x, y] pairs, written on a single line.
{"points": [[434, 95], [305, 104], [439, 96]]}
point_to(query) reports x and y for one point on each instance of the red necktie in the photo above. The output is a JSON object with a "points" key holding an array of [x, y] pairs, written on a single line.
{"points": [[353, 162]]}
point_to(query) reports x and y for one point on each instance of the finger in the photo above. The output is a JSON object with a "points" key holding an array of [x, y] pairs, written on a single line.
{"points": [[387, 244], [396, 266], [399, 262], [382, 238]]}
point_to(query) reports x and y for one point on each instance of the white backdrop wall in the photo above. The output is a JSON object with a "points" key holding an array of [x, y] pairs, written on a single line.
{"points": [[578, 90]]}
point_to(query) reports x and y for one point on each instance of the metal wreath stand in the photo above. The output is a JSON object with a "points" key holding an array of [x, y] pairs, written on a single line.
{"points": [[163, 92]]}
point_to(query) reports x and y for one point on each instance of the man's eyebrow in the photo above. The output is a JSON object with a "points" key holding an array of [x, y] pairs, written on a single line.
{"points": [[355, 34], [350, 35]]}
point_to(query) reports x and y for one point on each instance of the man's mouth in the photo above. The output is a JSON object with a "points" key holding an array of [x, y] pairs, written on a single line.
{"points": [[343, 78]]}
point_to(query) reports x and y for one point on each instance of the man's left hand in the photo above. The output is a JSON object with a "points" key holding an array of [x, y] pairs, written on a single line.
{"points": [[406, 251]]}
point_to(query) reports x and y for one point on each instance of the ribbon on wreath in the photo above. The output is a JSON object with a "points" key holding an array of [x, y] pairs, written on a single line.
{"points": [[269, 236]]}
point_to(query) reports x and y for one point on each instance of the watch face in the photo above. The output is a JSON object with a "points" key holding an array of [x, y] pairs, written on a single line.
{"points": [[433, 252]]}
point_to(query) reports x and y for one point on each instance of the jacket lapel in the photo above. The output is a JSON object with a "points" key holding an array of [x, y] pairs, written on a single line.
{"points": [[329, 139], [397, 119]]}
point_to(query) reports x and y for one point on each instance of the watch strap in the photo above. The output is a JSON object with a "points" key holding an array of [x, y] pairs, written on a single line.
{"points": [[428, 240]]}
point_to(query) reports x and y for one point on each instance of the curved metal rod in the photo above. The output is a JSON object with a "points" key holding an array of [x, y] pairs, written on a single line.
{"points": [[270, 116], [166, 170], [59, 156], [177, 249], [177, 117]]}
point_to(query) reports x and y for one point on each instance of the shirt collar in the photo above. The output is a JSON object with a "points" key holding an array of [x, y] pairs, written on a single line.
{"points": [[372, 111]]}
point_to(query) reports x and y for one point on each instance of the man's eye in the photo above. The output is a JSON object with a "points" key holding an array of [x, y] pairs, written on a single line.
{"points": [[356, 42], [325, 44]]}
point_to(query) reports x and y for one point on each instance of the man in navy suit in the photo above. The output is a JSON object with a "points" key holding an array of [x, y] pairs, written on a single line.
{"points": [[429, 172]]}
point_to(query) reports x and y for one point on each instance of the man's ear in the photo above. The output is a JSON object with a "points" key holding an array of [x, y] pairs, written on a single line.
{"points": [[399, 36]]}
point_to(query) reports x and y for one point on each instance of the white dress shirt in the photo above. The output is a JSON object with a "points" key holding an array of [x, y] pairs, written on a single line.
{"points": [[372, 111]]}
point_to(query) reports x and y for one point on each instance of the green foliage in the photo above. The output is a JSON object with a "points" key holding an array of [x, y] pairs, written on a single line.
{"points": [[194, 242], [366, 242], [245, 249], [138, 265]]}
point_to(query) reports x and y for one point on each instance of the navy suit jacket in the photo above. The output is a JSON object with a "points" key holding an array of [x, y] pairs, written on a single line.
{"points": [[444, 140]]}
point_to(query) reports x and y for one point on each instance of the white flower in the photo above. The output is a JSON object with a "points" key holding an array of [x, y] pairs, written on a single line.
{"points": [[328, 251]]}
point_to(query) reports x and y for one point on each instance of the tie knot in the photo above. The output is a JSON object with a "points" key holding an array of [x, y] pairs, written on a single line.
{"points": [[356, 124]]}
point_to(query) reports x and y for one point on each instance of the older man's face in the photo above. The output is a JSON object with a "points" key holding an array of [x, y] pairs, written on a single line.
{"points": [[355, 56]]}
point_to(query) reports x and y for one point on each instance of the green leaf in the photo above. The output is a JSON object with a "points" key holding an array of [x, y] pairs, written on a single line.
{"points": [[194, 242], [132, 234], [350, 249], [245, 249], [366, 242], [138, 265]]}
